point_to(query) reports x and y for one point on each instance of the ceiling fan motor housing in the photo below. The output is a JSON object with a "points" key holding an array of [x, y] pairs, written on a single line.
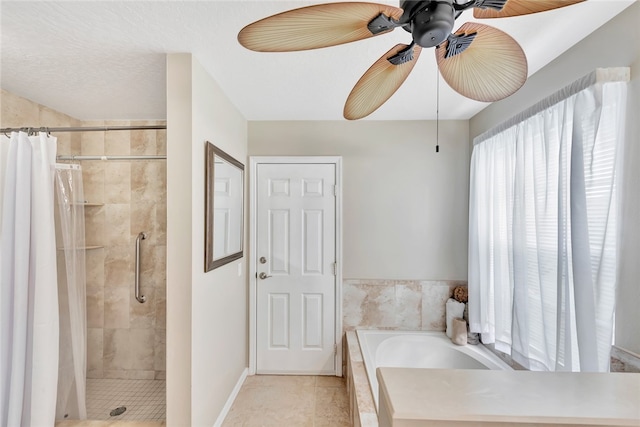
{"points": [[432, 21]]}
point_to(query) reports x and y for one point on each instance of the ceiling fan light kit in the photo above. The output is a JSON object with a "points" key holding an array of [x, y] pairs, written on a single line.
{"points": [[478, 61]]}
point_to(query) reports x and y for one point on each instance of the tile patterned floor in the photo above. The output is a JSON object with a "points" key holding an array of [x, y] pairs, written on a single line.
{"points": [[263, 400], [292, 401], [144, 399]]}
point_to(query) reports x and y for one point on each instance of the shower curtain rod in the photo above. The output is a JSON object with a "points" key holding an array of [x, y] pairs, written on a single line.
{"points": [[32, 130], [144, 157], [82, 129]]}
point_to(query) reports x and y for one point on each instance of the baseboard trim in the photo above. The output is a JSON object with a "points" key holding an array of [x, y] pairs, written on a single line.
{"points": [[232, 397]]}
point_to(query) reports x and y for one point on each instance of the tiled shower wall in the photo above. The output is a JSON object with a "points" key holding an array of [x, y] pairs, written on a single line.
{"points": [[126, 339], [16, 111], [396, 304]]}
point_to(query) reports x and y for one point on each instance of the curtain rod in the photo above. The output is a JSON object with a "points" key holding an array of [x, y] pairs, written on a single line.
{"points": [[82, 129], [146, 157], [597, 76]]}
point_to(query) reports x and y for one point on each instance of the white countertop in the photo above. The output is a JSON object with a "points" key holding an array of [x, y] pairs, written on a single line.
{"points": [[458, 396]]}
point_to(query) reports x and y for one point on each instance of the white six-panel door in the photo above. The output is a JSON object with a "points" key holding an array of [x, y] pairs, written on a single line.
{"points": [[296, 255]]}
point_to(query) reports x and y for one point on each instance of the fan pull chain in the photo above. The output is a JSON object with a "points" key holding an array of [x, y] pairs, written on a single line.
{"points": [[438, 111]]}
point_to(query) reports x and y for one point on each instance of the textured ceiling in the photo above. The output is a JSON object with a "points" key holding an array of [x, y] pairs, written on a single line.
{"points": [[106, 59]]}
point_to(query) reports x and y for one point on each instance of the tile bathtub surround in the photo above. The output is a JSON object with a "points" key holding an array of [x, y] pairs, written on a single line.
{"points": [[624, 361], [506, 358], [362, 408], [621, 360], [127, 338], [396, 304], [290, 401]]}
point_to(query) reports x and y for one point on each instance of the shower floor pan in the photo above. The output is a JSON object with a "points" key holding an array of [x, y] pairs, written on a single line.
{"points": [[141, 399]]}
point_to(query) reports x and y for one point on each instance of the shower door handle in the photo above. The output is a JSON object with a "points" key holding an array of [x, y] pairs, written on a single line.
{"points": [[140, 298]]}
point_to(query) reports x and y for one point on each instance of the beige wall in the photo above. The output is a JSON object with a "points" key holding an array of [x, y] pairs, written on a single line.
{"points": [[405, 206], [616, 44], [207, 312], [179, 236]]}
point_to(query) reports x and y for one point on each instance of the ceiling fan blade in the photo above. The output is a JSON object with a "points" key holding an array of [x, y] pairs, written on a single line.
{"points": [[491, 68], [380, 81], [522, 7], [313, 27]]}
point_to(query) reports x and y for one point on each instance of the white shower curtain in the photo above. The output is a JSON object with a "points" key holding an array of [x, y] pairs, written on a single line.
{"points": [[28, 285]]}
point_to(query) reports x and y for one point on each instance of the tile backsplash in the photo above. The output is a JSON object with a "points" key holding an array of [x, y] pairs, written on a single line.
{"points": [[396, 304]]}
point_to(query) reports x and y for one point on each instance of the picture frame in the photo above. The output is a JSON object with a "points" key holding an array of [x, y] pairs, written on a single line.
{"points": [[224, 208]]}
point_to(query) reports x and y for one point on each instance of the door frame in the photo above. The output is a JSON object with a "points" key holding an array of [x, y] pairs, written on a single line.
{"points": [[254, 161]]}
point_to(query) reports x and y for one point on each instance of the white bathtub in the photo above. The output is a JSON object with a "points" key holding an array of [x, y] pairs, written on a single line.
{"points": [[401, 349]]}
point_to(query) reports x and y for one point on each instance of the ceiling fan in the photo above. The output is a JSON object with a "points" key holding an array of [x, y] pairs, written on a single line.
{"points": [[478, 61]]}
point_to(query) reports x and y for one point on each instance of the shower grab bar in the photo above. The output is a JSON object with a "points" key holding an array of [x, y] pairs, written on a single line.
{"points": [[140, 298]]}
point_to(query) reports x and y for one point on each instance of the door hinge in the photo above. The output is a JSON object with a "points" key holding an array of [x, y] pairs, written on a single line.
{"points": [[335, 268], [335, 349], [335, 191]]}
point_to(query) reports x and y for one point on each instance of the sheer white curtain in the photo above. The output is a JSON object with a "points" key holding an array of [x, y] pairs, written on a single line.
{"points": [[28, 292], [542, 228], [71, 292]]}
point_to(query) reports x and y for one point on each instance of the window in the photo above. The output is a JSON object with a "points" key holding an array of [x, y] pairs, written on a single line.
{"points": [[543, 237]]}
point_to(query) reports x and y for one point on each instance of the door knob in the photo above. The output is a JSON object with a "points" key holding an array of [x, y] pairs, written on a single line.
{"points": [[263, 275], [262, 260]]}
